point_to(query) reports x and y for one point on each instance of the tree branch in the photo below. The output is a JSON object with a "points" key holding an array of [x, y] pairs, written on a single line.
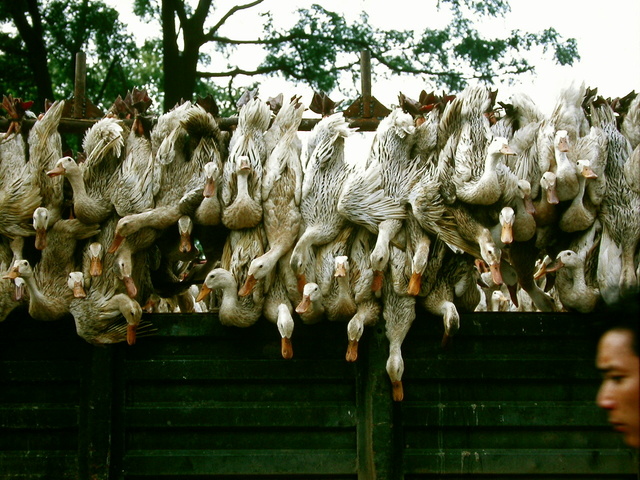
{"points": [[226, 16]]}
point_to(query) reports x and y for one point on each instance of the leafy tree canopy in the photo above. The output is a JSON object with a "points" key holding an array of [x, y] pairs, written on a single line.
{"points": [[319, 48]]}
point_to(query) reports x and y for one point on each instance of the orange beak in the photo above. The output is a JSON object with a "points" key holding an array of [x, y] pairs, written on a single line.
{"points": [[41, 238], [376, 283], [204, 291], [563, 144], [302, 281], [398, 391], [415, 283], [304, 305], [248, 286], [552, 196], [496, 275], [56, 171], [209, 188], [12, 274], [555, 266], [352, 351], [506, 150], [506, 234], [528, 205], [78, 290], [286, 348], [587, 172], [131, 334], [185, 243], [117, 241], [130, 285], [95, 268]]}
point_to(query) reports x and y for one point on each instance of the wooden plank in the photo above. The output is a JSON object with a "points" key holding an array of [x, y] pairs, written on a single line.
{"points": [[529, 414], [185, 369], [476, 367], [520, 462], [199, 392], [245, 462], [379, 448], [94, 439], [45, 464], [512, 324], [226, 414], [211, 438], [39, 370], [37, 417]]}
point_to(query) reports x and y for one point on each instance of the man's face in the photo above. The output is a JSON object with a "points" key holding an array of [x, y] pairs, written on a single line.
{"points": [[619, 393]]}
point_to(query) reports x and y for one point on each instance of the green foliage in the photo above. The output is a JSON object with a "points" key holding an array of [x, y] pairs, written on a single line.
{"points": [[320, 49], [70, 26], [93, 27]]}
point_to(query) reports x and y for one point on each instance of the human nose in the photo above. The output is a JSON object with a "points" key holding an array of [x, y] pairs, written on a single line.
{"points": [[604, 399]]}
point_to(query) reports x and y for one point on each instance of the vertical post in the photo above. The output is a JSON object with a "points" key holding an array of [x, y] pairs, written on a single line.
{"points": [[379, 455], [365, 82], [80, 85], [95, 415]]}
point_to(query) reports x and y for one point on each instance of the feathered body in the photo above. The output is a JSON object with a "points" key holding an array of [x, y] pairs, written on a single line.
{"points": [[324, 176]]}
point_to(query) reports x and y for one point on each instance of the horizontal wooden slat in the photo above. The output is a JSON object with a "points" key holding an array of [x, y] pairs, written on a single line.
{"points": [[476, 324], [319, 415], [45, 464], [38, 417], [482, 367], [223, 369], [243, 462], [39, 370], [520, 462], [518, 414]]}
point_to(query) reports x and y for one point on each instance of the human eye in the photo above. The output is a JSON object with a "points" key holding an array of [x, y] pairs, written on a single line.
{"points": [[614, 377]]}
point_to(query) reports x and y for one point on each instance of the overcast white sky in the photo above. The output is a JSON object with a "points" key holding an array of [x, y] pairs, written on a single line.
{"points": [[607, 32]]}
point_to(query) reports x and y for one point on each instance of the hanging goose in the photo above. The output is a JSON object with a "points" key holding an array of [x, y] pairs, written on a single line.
{"points": [[243, 170], [325, 173]]}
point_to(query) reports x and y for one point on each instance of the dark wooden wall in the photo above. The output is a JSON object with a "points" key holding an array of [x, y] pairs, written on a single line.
{"points": [[511, 398]]}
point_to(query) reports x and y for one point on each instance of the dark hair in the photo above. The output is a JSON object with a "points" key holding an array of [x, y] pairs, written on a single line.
{"points": [[623, 315]]}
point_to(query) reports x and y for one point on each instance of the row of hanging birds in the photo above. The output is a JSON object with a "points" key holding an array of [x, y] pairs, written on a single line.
{"points": [[462, 204]]}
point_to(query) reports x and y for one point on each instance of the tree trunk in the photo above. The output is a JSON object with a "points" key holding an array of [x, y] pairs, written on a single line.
{"points": [[180, 67], [33, 37]]}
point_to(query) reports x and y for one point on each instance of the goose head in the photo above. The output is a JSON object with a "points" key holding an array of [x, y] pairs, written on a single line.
{"points": [[506, 217], [395, 370], [341, 263], [185, 227], [561, 141], [125, 227], [212, 173], [499, 301], [584, 168], [216, 278], [491, 255], [548, 184], [64, 166], [524, 192], [285, 328], [451, 321], [566, 258], [75, 281], [124, 271], [40, 224], [311, 294], [21, 268], [499, 146], [95, 254]]}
